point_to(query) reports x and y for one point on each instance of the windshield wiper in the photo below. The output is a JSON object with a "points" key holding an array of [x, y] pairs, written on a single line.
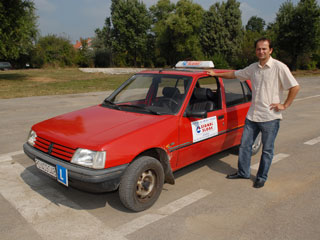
{"points": [[140, 107], [111, 103]]}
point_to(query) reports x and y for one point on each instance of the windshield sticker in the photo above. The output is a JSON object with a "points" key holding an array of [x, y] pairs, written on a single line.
{"points": [[205, 128]]}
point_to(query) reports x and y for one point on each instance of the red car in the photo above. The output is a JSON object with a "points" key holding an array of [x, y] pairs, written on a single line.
{"points": [[154, 124]]}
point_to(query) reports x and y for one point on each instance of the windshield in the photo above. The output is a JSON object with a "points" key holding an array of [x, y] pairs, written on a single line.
{"points": [[150, 93]]}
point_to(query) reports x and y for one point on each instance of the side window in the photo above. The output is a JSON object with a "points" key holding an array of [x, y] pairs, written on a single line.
{"points": [[236, 92], [212, 84], [247, 91]]}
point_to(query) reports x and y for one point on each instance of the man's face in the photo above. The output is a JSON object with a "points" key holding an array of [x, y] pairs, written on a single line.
{"points": [[263, 50]]}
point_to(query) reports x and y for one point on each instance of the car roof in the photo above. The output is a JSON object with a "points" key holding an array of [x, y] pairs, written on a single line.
{"points": [[182, 71]]}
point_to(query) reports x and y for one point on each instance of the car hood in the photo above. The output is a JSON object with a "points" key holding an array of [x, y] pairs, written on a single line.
{"points": [[94, 127]]}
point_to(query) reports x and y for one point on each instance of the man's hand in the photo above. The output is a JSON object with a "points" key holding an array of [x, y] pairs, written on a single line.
{"points": [[291, 95], [211, 73], [277, 107]]}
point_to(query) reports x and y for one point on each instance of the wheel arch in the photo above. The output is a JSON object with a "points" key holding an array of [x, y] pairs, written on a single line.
{"points": [[163, 157]]}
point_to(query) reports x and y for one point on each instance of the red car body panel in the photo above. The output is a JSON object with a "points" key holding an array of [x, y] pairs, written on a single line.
{"points": [[103, 129]]}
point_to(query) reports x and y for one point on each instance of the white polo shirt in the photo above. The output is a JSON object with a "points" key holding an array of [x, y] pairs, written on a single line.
{"points": [[268, 83]]}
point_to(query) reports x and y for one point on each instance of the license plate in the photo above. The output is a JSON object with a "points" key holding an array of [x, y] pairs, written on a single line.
{"points": [[46, 168], [62, 175]]}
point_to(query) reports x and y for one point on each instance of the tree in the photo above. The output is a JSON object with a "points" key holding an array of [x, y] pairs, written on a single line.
{"points": [[222, 32], [102, 45], [52, 50], [213, 32], [18, 29], [85, 55], [256, 24], [103, 38], [160, 13], [177, 31], [131, 24], [297, 31], [247, 54], [232, 22]]}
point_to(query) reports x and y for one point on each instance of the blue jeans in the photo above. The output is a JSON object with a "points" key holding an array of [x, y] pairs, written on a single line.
{"points": [[251, 130]]}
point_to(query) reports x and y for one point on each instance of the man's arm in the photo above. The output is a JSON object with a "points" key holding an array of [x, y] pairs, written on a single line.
{"points": [[291, 95], [229, 75]]}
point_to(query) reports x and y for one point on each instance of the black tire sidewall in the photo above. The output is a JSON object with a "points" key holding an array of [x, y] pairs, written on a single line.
{"points": [[128, 183]]}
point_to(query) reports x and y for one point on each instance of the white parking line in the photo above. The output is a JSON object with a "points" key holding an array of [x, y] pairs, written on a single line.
{"points": [[47, 210], [163, 212], [313, 141], [8, 156], [57, 217], [301, 99], [276, 159], [138, 223]]}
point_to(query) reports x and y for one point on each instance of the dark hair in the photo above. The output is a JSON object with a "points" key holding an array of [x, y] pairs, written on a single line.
{"points": [[263, 39]]}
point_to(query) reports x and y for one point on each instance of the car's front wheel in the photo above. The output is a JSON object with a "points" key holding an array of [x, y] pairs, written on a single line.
{"points": [[141, 184]]}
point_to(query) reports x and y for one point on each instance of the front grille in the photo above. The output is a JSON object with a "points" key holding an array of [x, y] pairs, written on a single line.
{"points": [[54, 149]]}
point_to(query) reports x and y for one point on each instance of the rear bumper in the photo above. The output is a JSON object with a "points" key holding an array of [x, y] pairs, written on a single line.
{"points": [[91, 180]]}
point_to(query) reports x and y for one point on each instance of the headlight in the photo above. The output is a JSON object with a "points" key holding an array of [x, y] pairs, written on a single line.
{"points": [[88, 158], [32, 137]]}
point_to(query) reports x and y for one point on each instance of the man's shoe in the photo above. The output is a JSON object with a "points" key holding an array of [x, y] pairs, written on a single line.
{"points": [[235, 176], [258, 183]]}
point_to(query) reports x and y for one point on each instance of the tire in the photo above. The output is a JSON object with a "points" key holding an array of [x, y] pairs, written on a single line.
{"points": [[141, 184], [255, 147], [256, 144]]}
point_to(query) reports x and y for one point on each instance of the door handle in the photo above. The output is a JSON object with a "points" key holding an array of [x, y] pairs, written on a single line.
{"points": [[220, 117]]}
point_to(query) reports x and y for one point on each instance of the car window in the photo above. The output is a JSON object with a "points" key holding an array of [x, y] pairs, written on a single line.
{"points": [[135, 90], [247, 91], [206, 95], [236, 92], [180, 84], [160, 93], [208, 82]]}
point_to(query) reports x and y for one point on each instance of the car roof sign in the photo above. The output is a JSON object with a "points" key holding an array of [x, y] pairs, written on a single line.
{"points": [[195, 64]]}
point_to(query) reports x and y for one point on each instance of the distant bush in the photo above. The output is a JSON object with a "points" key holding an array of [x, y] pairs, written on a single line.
{"points": [[220, 61], [53, 51], [102, 58]]}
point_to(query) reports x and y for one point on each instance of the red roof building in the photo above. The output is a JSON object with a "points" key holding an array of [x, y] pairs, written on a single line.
{"points": [[78, 44]]}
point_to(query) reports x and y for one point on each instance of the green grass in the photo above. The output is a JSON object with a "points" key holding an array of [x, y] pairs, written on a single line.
{"points": [[303, 73], [40, 82]]}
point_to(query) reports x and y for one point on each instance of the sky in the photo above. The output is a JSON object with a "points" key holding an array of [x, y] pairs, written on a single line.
{"points": [[79, 18]]}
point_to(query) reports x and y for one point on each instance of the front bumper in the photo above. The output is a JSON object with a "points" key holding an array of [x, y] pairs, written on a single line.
{"points": [[91, 180]]}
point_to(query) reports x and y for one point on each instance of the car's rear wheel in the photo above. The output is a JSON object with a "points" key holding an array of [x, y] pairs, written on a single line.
{"points": [[257, 144], [255, 147], [141, 184]]}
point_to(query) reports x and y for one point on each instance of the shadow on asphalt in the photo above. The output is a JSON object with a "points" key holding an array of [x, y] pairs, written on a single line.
{"points": [[81, 200], [70, 197]]}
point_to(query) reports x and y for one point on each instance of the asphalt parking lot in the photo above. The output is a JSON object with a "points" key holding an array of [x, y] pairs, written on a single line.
{"points": [[203, 204]]}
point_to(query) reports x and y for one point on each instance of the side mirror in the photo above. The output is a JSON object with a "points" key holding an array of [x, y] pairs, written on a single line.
{"points": [[197, 114]]}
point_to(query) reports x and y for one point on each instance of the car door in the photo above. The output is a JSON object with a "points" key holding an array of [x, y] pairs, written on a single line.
{"points": [[237, 100], [202, 137]]}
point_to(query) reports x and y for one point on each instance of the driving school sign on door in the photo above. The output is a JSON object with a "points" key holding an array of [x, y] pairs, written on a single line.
{"points": [[205, 128]]}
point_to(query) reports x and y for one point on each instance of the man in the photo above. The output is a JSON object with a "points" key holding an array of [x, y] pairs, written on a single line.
{"points": [[269, 77]]}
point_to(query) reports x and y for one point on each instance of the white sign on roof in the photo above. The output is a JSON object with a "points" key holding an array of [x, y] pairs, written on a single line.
{"points": [[195, 64]]}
